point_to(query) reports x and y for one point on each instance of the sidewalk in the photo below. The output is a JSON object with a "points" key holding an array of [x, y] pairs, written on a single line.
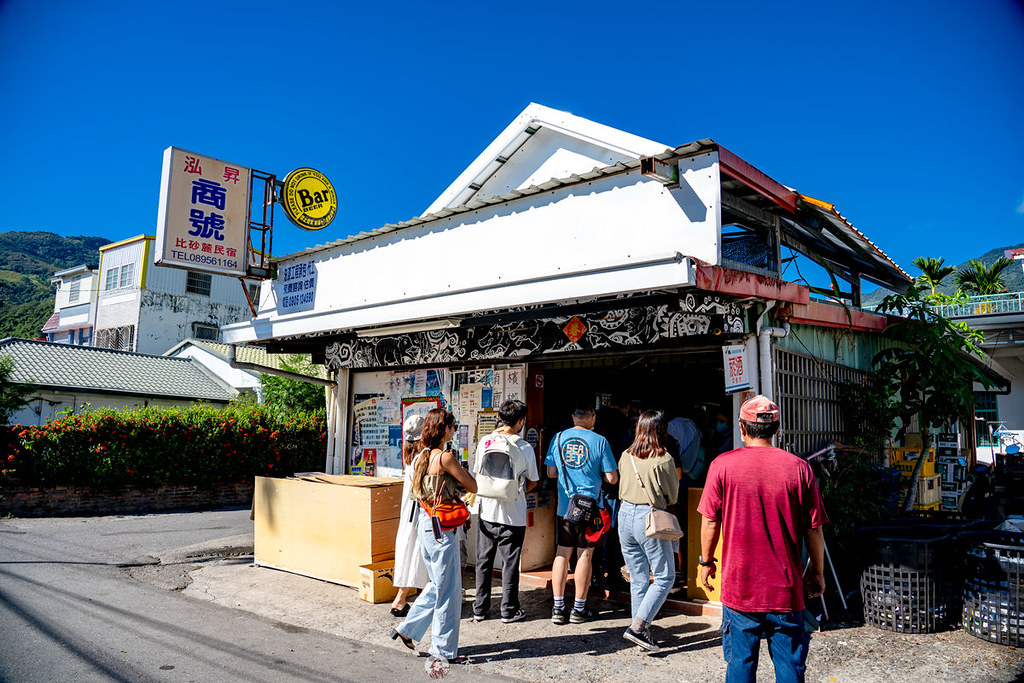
{"points": [[537, 650]]}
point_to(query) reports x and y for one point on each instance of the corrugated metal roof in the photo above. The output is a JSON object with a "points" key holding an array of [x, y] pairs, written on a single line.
{"points": [[247, 354], [835, 216], [85, 368]]}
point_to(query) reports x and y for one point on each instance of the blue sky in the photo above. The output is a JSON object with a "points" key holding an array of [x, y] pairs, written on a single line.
{"points": [[907, 116]]}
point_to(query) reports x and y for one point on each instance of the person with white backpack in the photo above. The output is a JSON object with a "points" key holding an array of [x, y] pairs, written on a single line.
{"points": [[505, 468]]}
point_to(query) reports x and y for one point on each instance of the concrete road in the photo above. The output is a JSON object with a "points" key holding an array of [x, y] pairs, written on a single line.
{"points": [[70, 610]]}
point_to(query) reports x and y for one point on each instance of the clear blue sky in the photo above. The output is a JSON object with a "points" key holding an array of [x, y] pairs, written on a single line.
{"points": [[908, 116]]}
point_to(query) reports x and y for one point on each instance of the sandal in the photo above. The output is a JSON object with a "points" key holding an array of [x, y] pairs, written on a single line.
{"points": [[395, 635]]}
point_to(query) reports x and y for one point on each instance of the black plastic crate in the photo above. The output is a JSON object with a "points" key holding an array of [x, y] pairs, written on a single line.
{"points": [[994, 588]]}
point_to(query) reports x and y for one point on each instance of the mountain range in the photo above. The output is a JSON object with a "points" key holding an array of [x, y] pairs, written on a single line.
{"points": [[27, 261], [29, 258]]}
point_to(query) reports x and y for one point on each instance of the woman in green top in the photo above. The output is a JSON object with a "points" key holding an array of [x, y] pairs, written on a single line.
{"points": [[649, 463]]}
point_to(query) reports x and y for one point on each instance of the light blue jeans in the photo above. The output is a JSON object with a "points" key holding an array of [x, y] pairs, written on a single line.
{"points": [[439, 606], [645, 556]]}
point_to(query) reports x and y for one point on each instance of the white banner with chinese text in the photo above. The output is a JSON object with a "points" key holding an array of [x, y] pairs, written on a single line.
{"points": [[203, 222], [737, 377]]}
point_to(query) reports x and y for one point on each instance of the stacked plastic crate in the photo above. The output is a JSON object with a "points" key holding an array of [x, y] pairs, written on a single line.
{"points": [[929, 490], [952, 470]]}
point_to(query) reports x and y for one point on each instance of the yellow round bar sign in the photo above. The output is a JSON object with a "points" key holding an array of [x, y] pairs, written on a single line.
{"points": [[309, 199]]}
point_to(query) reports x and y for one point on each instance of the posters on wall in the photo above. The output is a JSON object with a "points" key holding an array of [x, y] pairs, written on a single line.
{"points": [[473, 396]]}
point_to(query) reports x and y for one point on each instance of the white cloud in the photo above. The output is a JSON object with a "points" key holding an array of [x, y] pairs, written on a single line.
{"points": [[1020, 207]]}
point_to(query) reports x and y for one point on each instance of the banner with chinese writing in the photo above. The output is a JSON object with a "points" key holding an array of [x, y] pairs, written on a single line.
{"points": [[737, 376], [203, 222]]}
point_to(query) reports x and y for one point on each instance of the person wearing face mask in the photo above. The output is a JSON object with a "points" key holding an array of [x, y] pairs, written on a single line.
{"points": [[721, 440]]}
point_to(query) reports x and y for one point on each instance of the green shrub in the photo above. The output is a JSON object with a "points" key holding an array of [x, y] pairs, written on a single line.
{"points": [[198, 445]]}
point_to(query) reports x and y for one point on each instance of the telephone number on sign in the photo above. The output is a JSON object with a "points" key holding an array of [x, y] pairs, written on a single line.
{"points": [[205, 259]]}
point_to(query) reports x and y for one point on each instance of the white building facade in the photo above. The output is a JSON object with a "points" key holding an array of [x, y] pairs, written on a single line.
{"points": [[74, 311], [147, 308]]}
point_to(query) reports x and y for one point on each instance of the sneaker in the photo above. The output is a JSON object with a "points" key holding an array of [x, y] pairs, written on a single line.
{"points": [[558, 616], [643, 639], [518, 615], [581, 616], [479, 617]]}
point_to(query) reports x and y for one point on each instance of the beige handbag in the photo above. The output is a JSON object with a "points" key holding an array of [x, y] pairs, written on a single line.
{"points": [[661, 524]]}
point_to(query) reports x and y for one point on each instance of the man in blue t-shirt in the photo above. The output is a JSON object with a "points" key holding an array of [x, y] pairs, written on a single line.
{"points": [[577, 459]]}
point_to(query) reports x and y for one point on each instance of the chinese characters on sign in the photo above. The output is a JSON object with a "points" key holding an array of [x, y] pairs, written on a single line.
{"points": [[296, 286], [737, 376], [203, 221]]}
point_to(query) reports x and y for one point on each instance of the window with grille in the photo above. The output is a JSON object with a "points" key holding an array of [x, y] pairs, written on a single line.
{"points": [[127, 275], [198, 283], [111, 281], [987, 409], [809, 398], [117, 338], [75, 290], [207, 332]]}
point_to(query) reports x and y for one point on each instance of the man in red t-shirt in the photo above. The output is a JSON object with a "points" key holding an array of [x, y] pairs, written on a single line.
{"points": [[764, 502]]}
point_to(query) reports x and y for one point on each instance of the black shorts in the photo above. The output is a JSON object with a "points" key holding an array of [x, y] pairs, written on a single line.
{"points": [[571, 535]]}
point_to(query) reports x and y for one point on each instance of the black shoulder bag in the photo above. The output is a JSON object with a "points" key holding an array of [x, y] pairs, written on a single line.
{"points": [[581, 509]]}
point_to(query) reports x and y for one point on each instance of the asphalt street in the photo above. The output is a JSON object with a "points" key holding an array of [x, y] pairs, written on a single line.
{"points": [[70, 610]]}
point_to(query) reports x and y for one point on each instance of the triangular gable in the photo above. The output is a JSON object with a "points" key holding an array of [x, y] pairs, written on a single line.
{"points": [[539, 145]]}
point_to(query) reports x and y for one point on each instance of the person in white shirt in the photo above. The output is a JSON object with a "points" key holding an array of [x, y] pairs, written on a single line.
{"points": [[502, 524]]}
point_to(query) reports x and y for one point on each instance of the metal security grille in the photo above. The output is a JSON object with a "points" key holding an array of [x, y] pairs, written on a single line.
{"points": [[117, 338], [808, 393]]}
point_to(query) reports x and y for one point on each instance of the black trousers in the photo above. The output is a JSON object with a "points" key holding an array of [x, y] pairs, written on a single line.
{"points": [[492, 537]]}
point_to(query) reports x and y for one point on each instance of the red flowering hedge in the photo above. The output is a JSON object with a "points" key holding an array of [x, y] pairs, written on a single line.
{"points": [[152, 446]]}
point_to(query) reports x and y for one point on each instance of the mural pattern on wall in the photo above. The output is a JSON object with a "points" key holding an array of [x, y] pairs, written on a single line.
{"points": [[696, 314]]}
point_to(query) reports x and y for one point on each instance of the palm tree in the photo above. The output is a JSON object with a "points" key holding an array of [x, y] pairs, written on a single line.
{"points": [[933, 271], [977, 278]]}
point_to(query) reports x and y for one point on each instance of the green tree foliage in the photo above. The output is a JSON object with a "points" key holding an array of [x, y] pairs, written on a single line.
{"points": [[977, 278], [285, 396], [927, 372], [12, 395], [933, 271], [197, 445]]}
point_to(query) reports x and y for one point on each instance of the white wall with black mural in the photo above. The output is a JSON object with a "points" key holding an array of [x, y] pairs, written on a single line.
{"points": [[655, 326]]}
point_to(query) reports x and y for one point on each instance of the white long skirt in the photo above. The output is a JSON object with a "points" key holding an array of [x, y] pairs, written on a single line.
{"points": [[410, 570]]}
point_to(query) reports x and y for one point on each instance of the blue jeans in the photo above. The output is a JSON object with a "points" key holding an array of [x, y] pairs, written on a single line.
{"points": [[644, 556], [439, 606], [741, 643]]}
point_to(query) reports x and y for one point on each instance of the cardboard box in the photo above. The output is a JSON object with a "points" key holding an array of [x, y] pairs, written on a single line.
{"points": [[326, 526], [539, 544], [376, 582]]}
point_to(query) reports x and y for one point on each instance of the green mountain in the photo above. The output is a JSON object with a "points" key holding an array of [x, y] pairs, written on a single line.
{"points": [[27, 261], [1012, 276]]}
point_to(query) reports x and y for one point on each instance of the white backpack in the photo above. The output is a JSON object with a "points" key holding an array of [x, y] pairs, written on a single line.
{"points": [[500, 468]]}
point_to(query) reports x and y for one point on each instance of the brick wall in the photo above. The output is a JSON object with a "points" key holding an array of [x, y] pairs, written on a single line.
{"points": [[73, 501]]}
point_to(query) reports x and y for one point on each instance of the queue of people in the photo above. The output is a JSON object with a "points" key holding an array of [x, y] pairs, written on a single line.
{"points": [[741, 485]]}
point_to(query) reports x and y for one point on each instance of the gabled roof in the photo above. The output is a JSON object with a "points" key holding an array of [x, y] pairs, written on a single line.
{"points": [[245, 354], [87, 369], [542, 144]]}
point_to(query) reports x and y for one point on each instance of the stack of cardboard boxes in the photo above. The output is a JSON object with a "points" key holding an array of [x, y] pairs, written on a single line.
{"points": [[952, 469]]}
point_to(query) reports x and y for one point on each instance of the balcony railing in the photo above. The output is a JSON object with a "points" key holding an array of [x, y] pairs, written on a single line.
{"points": [[990, 304]]}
